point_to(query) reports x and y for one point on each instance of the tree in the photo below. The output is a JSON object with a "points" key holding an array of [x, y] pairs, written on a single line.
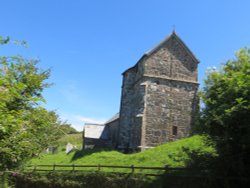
{"points": [[67, 129], [226, 115], [25, 127]]}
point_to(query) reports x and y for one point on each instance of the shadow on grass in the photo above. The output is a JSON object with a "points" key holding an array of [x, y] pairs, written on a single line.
{"points": [[83, 153]]}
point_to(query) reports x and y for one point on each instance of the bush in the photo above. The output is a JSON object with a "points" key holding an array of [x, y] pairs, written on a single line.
{"points": [[77, 180]]}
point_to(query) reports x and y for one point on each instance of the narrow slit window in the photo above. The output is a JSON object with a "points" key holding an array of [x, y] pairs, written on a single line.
{"points": [[175, 130]]}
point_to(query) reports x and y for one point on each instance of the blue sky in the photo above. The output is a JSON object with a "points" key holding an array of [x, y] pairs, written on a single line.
{"points": [[89, 43]]}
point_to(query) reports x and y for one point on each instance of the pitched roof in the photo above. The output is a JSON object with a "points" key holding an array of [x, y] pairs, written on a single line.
{"points": [[175, 36], [93, 130], [151, 51], [114, 118]]}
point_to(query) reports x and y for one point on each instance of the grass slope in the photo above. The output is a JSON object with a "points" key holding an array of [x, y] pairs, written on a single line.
{"points": [[172, 154]]}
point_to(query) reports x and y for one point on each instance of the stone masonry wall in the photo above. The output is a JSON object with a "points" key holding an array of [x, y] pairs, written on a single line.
{"points": [[132, 106], [159, 97], [112, 133], [169, 103], [171, 94], [125, 110], [172, 61]]}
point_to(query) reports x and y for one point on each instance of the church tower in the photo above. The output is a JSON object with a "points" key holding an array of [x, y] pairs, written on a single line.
{"points": [[159, 99]]}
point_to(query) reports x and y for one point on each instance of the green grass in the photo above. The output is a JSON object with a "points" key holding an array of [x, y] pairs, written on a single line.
{"points": [[172, 154]]}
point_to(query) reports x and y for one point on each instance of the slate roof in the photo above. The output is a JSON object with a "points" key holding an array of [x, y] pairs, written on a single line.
{"points": [[114, 118], [93, 130], [97, 130]]}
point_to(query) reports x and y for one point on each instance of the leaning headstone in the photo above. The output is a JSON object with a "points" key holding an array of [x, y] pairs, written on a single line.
{"points": [[51, 149], [69, 148]]}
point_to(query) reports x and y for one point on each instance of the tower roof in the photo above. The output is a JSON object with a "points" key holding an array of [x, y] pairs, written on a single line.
{"points": [[173, 35], [164, 41]]}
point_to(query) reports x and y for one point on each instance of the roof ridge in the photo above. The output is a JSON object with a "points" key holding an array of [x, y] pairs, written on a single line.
{"points": [[149, 52], [152, 50], [113, 118], [182, 43]]}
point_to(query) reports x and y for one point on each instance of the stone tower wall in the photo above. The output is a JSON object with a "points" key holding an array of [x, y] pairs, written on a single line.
{"points": [[159, 97], [132, 106], [172, 61], [169, 103], [171, 93]]}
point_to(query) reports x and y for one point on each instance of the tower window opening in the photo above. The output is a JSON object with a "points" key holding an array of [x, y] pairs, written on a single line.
{"points": [[175, 130], [156, 82]]}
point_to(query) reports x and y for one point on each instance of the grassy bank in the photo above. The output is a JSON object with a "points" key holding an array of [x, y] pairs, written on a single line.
{"points": [[173, 154]]}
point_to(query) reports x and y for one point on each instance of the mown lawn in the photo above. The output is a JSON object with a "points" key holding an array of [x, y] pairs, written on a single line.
{"points": [[173, 154]]}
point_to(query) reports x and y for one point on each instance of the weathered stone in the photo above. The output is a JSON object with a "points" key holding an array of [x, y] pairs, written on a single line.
{"points": [[158, 94]]}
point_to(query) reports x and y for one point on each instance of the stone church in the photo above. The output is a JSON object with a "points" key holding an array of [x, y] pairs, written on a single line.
{"points": [[159, 99]]}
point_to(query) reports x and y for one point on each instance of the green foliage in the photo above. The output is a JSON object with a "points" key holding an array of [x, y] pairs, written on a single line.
{"points": [[226, 116], [227, 101], [25, 127], [77, 180], [74, 139], [67, 129], [5, 180], [4, 40], [23, 82]]}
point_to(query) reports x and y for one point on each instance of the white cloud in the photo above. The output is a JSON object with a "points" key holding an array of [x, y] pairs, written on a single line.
{"points": [[78, 121], [89, 120]]}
